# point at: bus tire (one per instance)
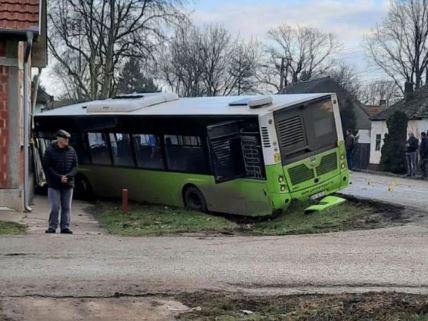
(194, 199)
(82, 188)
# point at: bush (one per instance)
(347, 115)
(393, 157)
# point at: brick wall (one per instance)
(4, 122)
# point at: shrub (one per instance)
(393, 157)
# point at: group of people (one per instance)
(412, 148)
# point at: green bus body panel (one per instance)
(239, 196)
(329, 182)
(243, 196)
(325, 203)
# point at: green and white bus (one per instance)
(245, 155)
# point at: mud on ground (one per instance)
(344, 307)
(209, 306)
(384, 214)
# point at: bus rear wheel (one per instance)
(194, 199)
(82, 189)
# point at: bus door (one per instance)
(235, 151)
(38, 148)
(224, 141)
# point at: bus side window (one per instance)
(185, 154)
(148, 151)
(121, 149)
(98, 147)
(78, 141)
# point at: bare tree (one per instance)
(207, 61)
(243, 68)
(346, 77)
(399, 45)
(380, 90)
(296, 53)
(215, 51)
(180, 63)
(89, 39)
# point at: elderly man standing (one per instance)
(412, 145)
(60, 165)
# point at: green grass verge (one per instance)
(161, 220)
(10, 228)
(158, 220)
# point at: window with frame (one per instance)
(79, 143)
(148, 151)
(98, 146)
(185, 154)
(121, 149)
(378, 141)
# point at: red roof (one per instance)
(373, 110)
(19, 15)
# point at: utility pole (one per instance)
(281, 74)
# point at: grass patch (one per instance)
(343, 307)
(163, 220)
(158, 220)
(11, 228)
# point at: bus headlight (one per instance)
(280, 179)
(343, 166)
(282, 188)
(342, 157)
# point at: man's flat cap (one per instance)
(62, 133)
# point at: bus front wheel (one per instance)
(194, 199)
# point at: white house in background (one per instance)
(415, 106)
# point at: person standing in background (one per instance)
(60, 165)
(411, 150)
(349, 145)
(423, 152)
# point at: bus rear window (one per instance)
(306, 130)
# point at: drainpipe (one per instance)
(27, 207)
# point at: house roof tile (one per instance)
(415, 107)
(19, 15)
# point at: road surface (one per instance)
(91, 263)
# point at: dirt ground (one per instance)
(90, 309)
(207, 306)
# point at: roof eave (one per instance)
(19, 34)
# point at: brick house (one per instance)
(22, 46)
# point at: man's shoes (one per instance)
(66, 231)
(50, 231)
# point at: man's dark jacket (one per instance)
(412, 145)
(59, 162)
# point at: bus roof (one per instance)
(203, 106)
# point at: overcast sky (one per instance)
(350, 20)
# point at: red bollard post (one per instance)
(125, 200)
